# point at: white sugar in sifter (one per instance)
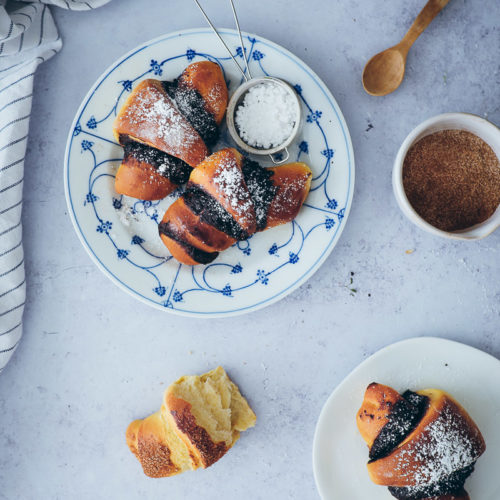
(238, 99)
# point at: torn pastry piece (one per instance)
(208, 413)
(199, 421)
(423, 444)
(158, 448)
(229, 198)
(166, 129)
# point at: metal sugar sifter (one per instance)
(239, 95)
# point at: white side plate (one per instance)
(469, 375)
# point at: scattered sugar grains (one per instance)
(267, 115)
(446, 449)
(158, 117)
(230, 184)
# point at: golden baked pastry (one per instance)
(228, 198)
(199, 421)
(157, 447)
(138, 174)
(166, 129)
(423, 445)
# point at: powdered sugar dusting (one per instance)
(138, 220)
(156, 116)
(446, 446)
(215, 93)
(261, 188)
(191, 104)
(162, 168)
(230, 184)
(214, 97)
(289, 197)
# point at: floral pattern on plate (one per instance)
(120, 233)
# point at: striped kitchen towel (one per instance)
(28, 36)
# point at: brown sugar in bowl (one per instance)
(446, 176)
(452, 179)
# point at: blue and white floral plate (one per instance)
(120, 233)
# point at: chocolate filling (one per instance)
(451, 485)
(261, 188)
(195, 253)
(212, 212)
(166, 165)
(192, 105)
(415, 399)
(401, 421)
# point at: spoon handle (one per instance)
(427, 14)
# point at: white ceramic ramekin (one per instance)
(484, 129)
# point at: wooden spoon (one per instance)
(384, 72)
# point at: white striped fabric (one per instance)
(28, 36)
